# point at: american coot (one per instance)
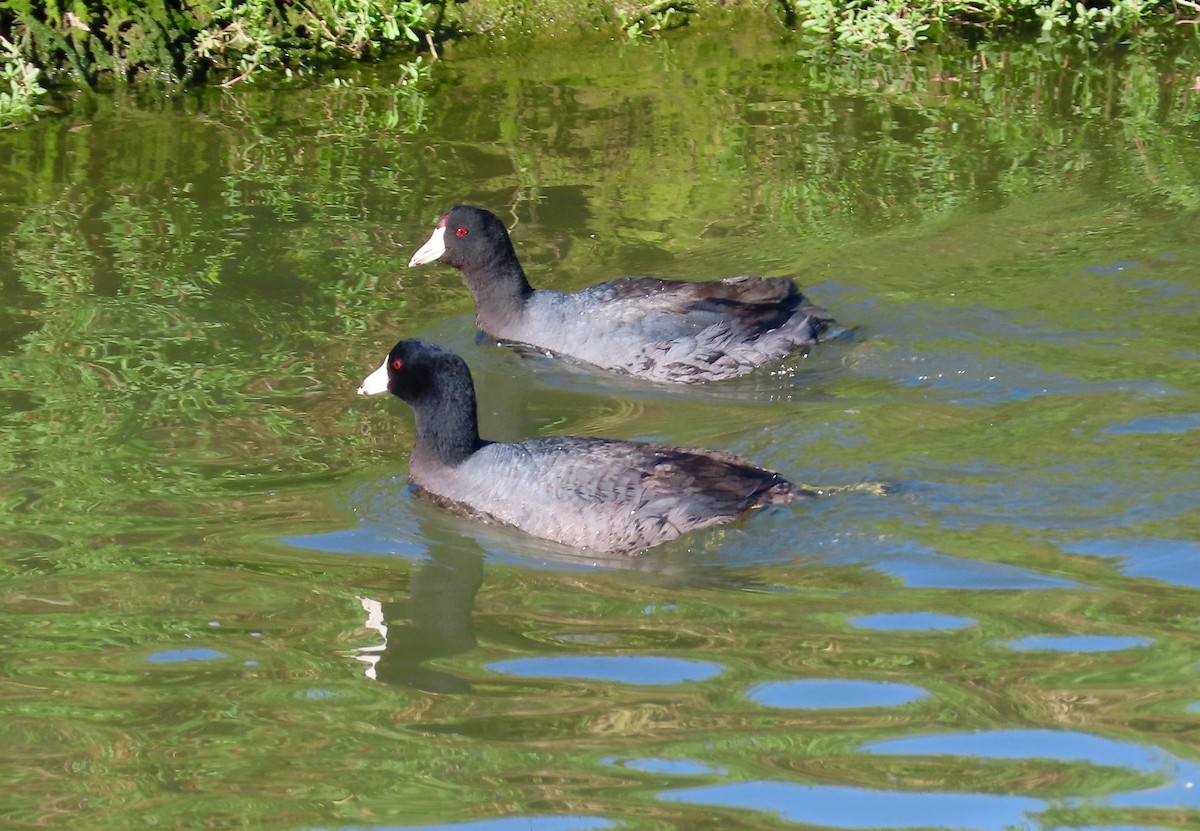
(661, 330)
(599, 494)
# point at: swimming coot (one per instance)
(599, 494)
(661, 330)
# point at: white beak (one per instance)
(432, 250)
(375, 383)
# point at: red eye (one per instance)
(460, 232)
(396, 364)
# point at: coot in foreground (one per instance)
(617, 497)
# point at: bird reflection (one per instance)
(437, 617)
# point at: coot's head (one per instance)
(415, 369)
(465, 237)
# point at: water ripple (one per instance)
(626, 669)
(176, 656)
(1172, 561)
(834, 693)
(1180, 423)
(1065, 746)
(920, 566)
(848, 807)
(912, 622)
(1077, 643)
(669, 767)
(563, 823)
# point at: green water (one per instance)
(220, 607)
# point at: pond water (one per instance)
(222, 608)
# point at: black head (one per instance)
(416, 369)
(437, 385)
(466, 238)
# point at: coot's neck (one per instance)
(447, 427)
(500, 291)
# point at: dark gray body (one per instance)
(608, 496)
(616, 497)
(661, 330)
(667, 331)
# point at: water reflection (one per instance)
(1112, 268)
(919, 566)
(1080, 498)
(848, 807)
(1172, 561)
(530, 823)
(175, 656)
(1060, 745)
(1110, 828)
(1158, 424)
(1077, 643)
(1180, 778)
(624, 669)
(191, 288)
(437, 615)
(912, 622)
(441, 595)
(967, 379)
(834, 694)
(667, 767)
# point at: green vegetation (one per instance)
(193, 284)
(892, 24)
(192, 209)
(859, 146)
(19, 101)
(93, 43)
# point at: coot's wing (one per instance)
(749, 304)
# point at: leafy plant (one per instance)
(242, 38)
(247, 36)
(95, 43)
(899, 24)
(653, 18)
(19, 102)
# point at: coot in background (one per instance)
(661, 330)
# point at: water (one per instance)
(222, 608)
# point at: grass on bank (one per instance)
(96, 43)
